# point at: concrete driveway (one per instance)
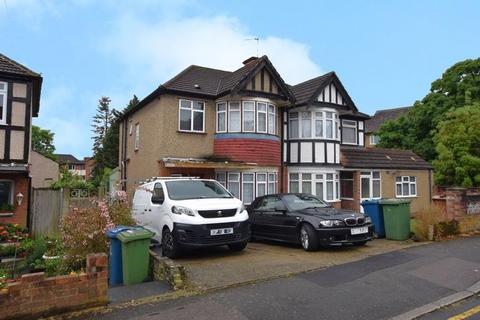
(219, 267)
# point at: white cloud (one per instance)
(155, 51)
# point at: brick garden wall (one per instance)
(462, 205)
(34, 295)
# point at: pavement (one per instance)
(378, 287)
(215, 268)
(121, 294)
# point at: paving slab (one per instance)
(120, 294)
(219, 267)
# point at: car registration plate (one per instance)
(359, 230)
(218, 232)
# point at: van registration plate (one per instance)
(359, 230)
(218, 232)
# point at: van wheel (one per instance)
(308, 238)
(169, 248)
(237, 246)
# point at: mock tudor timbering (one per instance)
(256, 134)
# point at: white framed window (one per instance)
(233, 183)
(234, 117)
(272, 119)
(261, 117)
(329, 125)
(191, 116)
(248, 116)
(222, 178)
(374, 139)
(326, 186)
(137, 137)
(6, 192)
(306, 124)
(221, 117)
(130, 128)
(248, 187)
(3, 102)
(337, 126)
(293, 125)
(272, 183)
(349, 132)
(261, 184)
(405, 186)
(318, 124)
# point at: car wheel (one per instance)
(237, 246)
(360, 243)
(169, 248)
(308, 238)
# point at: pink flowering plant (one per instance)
(84, 230)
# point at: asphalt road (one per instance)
(467, 309)
(378, 287)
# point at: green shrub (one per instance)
(447, 228)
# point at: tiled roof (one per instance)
(7, 65)
(304, 91)
(381, 116)
(378, 158)
(67, 158)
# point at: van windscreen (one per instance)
(195, 189)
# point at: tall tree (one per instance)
(42, 142)
(458, 147)
(459, 86)
(101, 123)
(131, 104)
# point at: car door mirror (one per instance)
(158, 199)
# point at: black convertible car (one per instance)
(308, 220)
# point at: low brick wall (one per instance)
(34, 295)
(165, 269)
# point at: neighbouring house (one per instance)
(89, 165)
(43, 170)
(255, 134)
(72, 164)
(373, 124)
(20, 90)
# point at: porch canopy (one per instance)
(378, 158)
(197, 163)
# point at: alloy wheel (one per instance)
(304, 238)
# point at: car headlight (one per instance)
(332, 223)
(368, 219)
(183, 210)
(242, 208)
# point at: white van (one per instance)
(189, 213)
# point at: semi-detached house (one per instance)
(256, 134)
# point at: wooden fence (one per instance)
(49, 206)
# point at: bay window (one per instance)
(329, 125)
(234, 117)
(233, 184)
(323, 185)
(221, 117)
(349, 131)
(248, 187)
(294, 125)
(307, 183)
(319, 186)
(306, 125)
(248, 116)
(406, 186)
(261, 117)
(272, 181)
(294, 183)
(272, 119)
(261, 184)
(191, 116)
(318, 124)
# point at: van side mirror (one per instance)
(157, 199)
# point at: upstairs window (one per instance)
(234, 117)
(349, 131)
(248, 116)
(406, 186)
(313, 125)
(3, 102)
(137, 137)
(191, 116)
(318, 124)
(293, 125)
(222, 117)
(261, 117)
(272, 118)
(374, 139)
(329, 125)
(306, 125)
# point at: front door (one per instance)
(369, 186)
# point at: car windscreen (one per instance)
(196, 189)
(298, 202)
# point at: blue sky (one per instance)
(386, 53)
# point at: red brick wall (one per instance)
(355, 203)
(36, 296)
(261, 151)
(21, 185)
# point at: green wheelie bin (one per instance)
(396, 215)
(135, 256)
